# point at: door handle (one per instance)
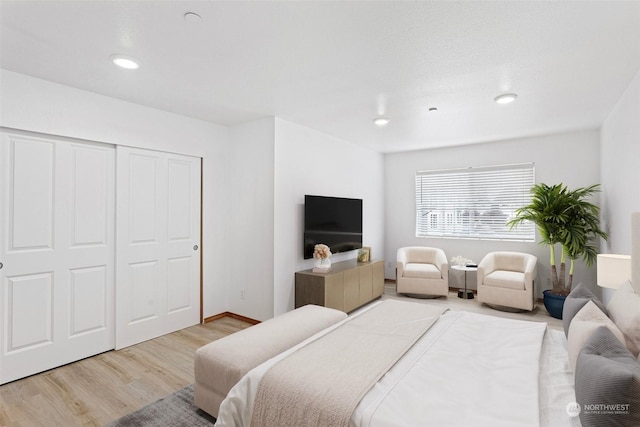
(195, 247)
(1, 265)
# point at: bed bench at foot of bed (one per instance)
(221, 364)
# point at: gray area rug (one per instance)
(175, 410)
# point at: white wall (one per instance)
(570, 158)
(620, 172)
(620, 169)
(41, 106)
(251, 219)
(310, 162)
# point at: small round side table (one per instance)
(466, 294)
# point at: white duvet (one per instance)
(467, 370)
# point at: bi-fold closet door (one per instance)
(62, 248)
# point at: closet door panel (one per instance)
(87, 222)
(180, 208)
(57, 249)
(144, 291)
(90, 308)
(178, 273)
(144, 174)
(183, 252)
(158, 253)
(29, 311)
(31, 191)
(90, 192)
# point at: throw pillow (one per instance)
(624, 310)
(578, 297)
(607, 382)
(584, 324)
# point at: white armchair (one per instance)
(507, 279)
(422, 270)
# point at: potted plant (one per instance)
(563, 217)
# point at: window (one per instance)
(474, 203)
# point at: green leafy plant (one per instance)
(564, 217)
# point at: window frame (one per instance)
(474, 203)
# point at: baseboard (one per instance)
(232, 315)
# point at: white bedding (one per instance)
(322, 383)
(468, 369)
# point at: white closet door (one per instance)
(158, 238)
(57, 250)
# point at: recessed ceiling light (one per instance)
(505, 98)
(381, 121)
(125, 62)
(192, 17)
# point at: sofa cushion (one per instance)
(607, 382)
(624, 310)
(505, 279)
(422, 271)
(578, 297)
(584, 324)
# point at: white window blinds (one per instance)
(474, 203)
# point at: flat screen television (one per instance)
(334, 221)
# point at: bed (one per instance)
(482, 370)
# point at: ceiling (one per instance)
(335, 66)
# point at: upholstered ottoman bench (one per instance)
(220, 365)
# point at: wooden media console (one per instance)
(349, 285)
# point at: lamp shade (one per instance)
(613, 270)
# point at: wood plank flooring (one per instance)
(100, 389)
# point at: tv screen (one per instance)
(333, 221)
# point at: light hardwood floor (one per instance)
(100, 389)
